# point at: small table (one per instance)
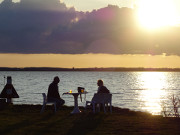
(76, 107)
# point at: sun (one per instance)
(154, 14)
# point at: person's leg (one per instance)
(59, 102)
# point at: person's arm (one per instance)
(98, 91)
(57, 93)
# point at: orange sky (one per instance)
(88, 60)
(152, 38)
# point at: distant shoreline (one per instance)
(115, 69)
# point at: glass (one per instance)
(82, 90)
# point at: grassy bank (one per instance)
(26, 119)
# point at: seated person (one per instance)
(53, 93)
(102, 88)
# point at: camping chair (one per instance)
(47, 102)
(101, 99)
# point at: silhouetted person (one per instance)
(102, 88)
(53, 93)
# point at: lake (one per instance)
(139, 91)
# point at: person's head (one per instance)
(56, 79)
(100, 83)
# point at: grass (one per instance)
(27, 120)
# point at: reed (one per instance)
(172, 109)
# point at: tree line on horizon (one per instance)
(87, 69)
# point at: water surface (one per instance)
(140, 91)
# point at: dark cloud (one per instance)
(48, 26)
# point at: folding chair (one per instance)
(45, 102)
(101, 99)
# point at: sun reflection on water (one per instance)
(153, 84)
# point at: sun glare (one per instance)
(154, 84)
(154, 14)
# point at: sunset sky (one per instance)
(90, 33)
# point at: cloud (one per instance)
(48, 26)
